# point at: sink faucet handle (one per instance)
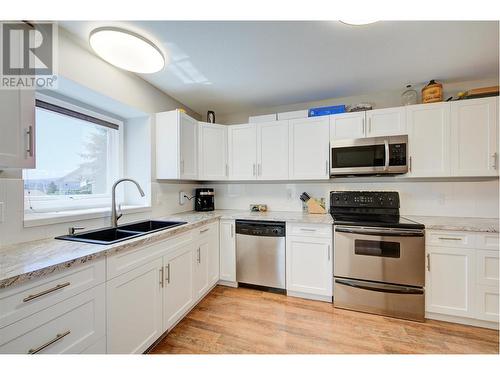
(72, 230)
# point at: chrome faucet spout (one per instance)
(114, 217)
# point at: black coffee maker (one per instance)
(204, 199)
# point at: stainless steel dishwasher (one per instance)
(260, 254)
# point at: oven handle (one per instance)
(387, 232)
(376, 287)
(386, 147)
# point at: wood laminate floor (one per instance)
(242, 320)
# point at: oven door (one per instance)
(385, 255)
(369, 156)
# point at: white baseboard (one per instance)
(461, 320)
(232, 284)
(309, 296)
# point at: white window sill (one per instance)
(47, 218)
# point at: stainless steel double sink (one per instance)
(107, 236)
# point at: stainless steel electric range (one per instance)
(379, 261)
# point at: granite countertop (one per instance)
(463, 224)
(24, 261)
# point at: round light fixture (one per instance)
(126, 50)
(358, 22)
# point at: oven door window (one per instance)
(377, 248)
(358, 156)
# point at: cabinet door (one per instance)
(17, 129)
(487, 297)
(309, 266)
(347, 126)
(429, 139)
(213, 256)
(450, 281)
(188, 147)
(242, 151)
(134, 309)
(387, 121)
(200, 279)
(213, 151)
(178, 281)
(309, 149)
(272, 150)
(227, 251)
(474, 137)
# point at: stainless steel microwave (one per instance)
(380, 155)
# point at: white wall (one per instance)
(429, 198)
(106, 85)
(379, 99)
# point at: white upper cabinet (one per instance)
(429, 139)
(17, 129)
(272, 150)
(176, 146)
(213, 152)
(347, 125)
(242, 151)
(386, 122)
(309, 148)
(474, 137)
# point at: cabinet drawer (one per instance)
(487, 264)
(128, 260)
(19, 302)
(309, 230)
(70, 326)
(449, 239)
(487, 241)
(206, 230)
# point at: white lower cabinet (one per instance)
(178, 296)
(462, 278)
(309, 265)
(227, 252)
(134, 308)
(71, 327)
(450, 281)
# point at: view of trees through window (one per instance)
(72, 157)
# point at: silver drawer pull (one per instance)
(57, 287)
(308, 230)
(54, 340)
(204, 230)
(449, 239)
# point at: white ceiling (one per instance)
(238, 66)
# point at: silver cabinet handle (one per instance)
(204, 230)
(449, 239)
(363, 122)
(58, 337)
(29, 149)
(57, 287)
(167, 278)
(253, 169)
(409, 165)
(328, 252)
(428, 262)
(232, 230)
(161, 277)
(227, 169)
(369, 125)
(308, 230)
(199, 256)
(494, 158)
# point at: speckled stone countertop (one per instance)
(463, 224)
(24, 261)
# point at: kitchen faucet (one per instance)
(114, 217)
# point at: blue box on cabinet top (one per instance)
(325, 111)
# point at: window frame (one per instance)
(77, 202)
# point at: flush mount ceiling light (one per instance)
(126, 50)
(358, 22)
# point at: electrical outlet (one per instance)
(182, 197)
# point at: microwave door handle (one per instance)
(386, 147)
(381, 232)
(378, 287)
